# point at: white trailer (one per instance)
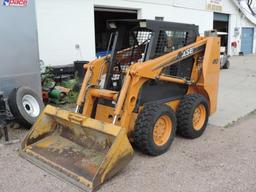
(19, 60)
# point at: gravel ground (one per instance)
(223, 159)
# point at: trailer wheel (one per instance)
(26, 105)
(155, 129)
(192, 116)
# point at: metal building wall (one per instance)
(19, 55)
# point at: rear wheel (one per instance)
(192, 116)
(227, 65)
(155, 129)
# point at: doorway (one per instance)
(247, 40)
(221, 24)
(102, 35)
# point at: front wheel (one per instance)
(155, 129)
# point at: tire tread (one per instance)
(185, 127)
(142, 129)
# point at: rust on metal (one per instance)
(86, 150)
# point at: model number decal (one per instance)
(215, 61)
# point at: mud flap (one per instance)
(81, 150)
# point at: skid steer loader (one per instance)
(160, 78)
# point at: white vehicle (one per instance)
(20, 82)
(224, 57)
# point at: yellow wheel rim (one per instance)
(162, 130)
(199, 117)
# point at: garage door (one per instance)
(247, 40)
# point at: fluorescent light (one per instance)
(112, 25)
(143, 24)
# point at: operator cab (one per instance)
(134, 41)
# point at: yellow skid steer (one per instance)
(160, 79)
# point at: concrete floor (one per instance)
(237, 91)
(223, 159)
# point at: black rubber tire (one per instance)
(144, 127)
(17, 108)
(185, 113)
(227, 65)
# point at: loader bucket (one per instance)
(81, 150)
